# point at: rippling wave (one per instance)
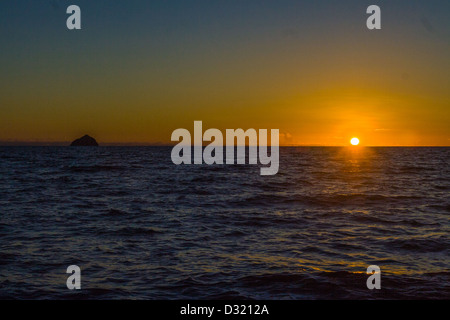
(141, 227)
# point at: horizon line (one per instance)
(144, 144)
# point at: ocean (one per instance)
(140, 227)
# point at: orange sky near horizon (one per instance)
(319, 81)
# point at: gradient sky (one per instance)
(140, 69)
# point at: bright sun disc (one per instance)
(354, 141)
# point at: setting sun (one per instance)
(354, 141)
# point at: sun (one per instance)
(354, 141)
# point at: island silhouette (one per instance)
(85, 141)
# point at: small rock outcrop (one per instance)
(85, 141)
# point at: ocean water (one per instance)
(140, 227)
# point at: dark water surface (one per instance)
(140, 227)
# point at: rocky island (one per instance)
(85, 141)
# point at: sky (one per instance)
(138, 70)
